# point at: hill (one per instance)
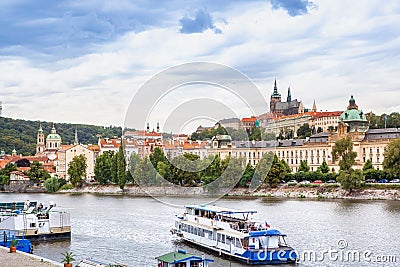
(21, 134)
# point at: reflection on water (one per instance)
(135, 230)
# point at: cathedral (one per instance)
(52, 144)
(290, 107)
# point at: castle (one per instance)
(290, 107)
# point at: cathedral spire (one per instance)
(275, 94)
(76, 141)
(289, 95)
(314, 107)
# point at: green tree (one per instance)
(286, 166)
(247, 175)
(5, 173)
(368, 165)
(304, 131)
(276, 173)
(134, 161)
(350, 179)
(77, 170)
(324, 168)
(145, 173)
(303, 166)
(255, 134)
(102, 168)
(114, 168)
(37, 172)
(52, 185)
(121, 168)
(157, 156)
(183, 170)
(343, 150)
(391, 162)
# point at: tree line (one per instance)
(22, 134)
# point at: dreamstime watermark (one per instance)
(341, 253)
(192, 93)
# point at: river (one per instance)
(134, 230)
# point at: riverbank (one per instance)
(285, 191)
(21, 259)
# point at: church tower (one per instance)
(53, 141)
(40, 142)
(275, 97)
(289, 95)
(314, 107)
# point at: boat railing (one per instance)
(10, 234)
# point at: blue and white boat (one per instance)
(233, 233)
(7, 236)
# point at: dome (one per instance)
(352, 115)
(53, 136)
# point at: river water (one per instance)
(134, 230)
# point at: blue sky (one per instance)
(83, 61)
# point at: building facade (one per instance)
(66, 155)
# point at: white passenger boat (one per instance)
(234, 233)
(35, 221)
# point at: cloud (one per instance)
(293, 7)
(202, 22)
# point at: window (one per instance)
(377, 159)
(377, 150)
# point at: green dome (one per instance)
(352, 115)
(53, 136)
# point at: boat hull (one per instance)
(279, 256)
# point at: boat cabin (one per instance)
(265, 240)
(182, 259)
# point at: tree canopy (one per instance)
(391, 162)
(343, 150)
(77, 170)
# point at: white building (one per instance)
(67, 153)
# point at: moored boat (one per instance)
(182, 259)
(7, 236)
(234, 233)
(35, 221)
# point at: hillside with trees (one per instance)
(21, 134)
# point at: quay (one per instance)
(22, 259)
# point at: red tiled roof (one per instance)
(251, 119)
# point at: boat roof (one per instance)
(220, 210)
(180, 256)
(271, 232)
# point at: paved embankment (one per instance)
(21, 259)
(307, 191)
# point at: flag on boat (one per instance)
(267, 225)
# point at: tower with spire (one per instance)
(314, 107)
(76, 140)
(40, 145)
(275, 98)
(279, 108)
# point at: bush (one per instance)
(52, 185)
(67, 187)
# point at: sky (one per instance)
(84, 61)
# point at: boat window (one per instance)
(238, 244)
(223, 238)
(228, 240)
(210, 235)
(219, 238)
